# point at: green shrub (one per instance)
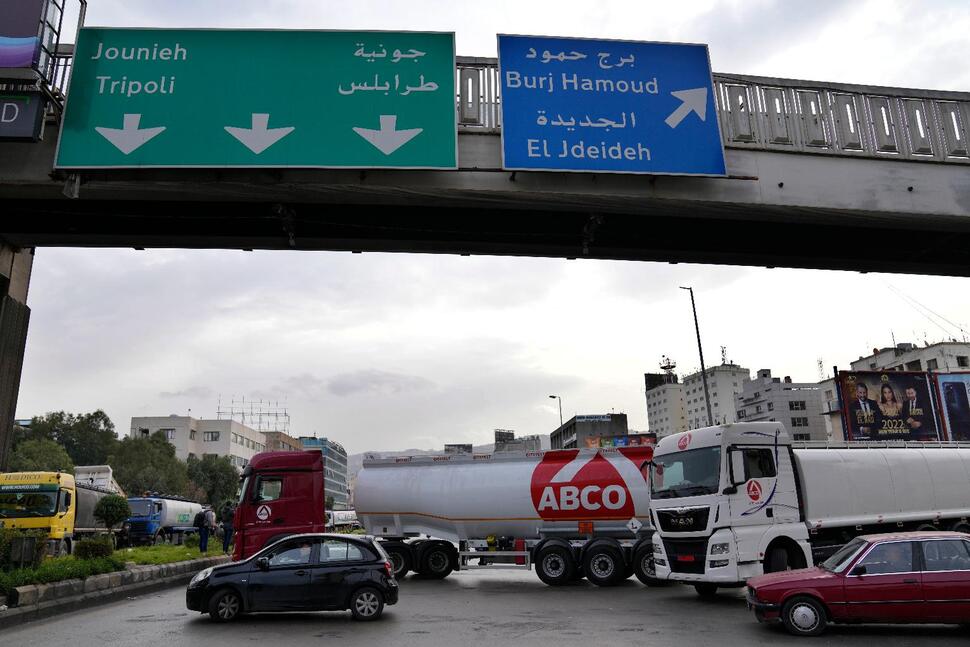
(112, 510)
(6, 539)
(192, 540)
(55, 570)
(91, 548)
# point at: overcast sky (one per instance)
(382, 351)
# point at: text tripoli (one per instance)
(582, 150)
(576, 83)
(131, 87)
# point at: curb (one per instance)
(45, 600)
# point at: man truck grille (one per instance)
(683, 519)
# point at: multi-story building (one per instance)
(277, 441)
(575, 431)
(334, 469)
(196, 438)
(522, 444)
(938, 357)
(797, 405)
(724, 383)
(666, 407)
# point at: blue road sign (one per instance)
(571, 104)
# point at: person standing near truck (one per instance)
(227, 513)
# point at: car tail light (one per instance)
(388, 569)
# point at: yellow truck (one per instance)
(52, 502)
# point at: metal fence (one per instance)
(792, 116)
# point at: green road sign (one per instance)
(218, 98)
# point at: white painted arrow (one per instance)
(388, 139)
(259, 137)
(129, 137)
(693, 101)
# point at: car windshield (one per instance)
(28, 504)
(243, 486)
(689, 473)
(837, 562)
(140, 508)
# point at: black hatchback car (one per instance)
(311, 572)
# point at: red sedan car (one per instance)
(894, 578)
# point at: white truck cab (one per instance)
(725, 505)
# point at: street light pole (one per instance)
(700, 351)
(556, 397)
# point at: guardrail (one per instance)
(791, 116)
(762, 113)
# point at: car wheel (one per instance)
(776, 560)
(604, 565)
(555, 565)
(63, 550)
(367, 604)
(436, 563)
(159, 539)
(706, 591)
(803, 616)
(225, 605)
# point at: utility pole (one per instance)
(700, 351)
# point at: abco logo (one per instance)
(567, 485)
(754, 490)
(683, 442)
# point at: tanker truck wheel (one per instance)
(604, 565)
(555, 565)
(644, 569)
(436, 563)
(400, 556)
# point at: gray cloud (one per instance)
(190, 392)
(374, 381)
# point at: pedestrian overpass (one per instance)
(820, 175)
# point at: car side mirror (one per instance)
(858, 570)
(730, 490)
(262, 564)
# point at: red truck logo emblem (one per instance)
(263, 512)
(683, 442)
(754, 490)
(567, 485)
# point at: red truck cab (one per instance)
(281, 493)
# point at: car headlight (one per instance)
(719, 563)
(659, 562)
(201, 576)
(720, 549)
(656, 549)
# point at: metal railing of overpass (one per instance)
(763, 113)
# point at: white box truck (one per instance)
(573, 512)
(734, 501)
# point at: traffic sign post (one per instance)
(573, 104)
(228, 98)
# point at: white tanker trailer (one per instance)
(573, 512)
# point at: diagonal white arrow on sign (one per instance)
(259, 137)
(388, 139)
(693, 101)
(129, 137)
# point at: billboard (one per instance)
(20, 32)
(631, 440)
(888, 405)
(953, 391)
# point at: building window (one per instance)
(796, 405)
(144, 432)
(802, 437)
(799, 422)
(169, 433)
(757, 409)
(771, 406)
(191, 434)
(932, 364)
(210, 436)
(915, 365)
(963, 361)
(191, 455)
(829, 394)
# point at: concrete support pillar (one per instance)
(15, 267)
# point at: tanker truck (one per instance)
(572, 513)
(734, 501)
(155, 519)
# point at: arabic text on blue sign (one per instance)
(608, 106)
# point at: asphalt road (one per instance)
(475, 607)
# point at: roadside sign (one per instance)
(227, 98)
(610, 106)
(21, 115)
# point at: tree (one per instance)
(148, 465)
(216, 476)
(89, 438)
(40, 455)
(112, 510)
